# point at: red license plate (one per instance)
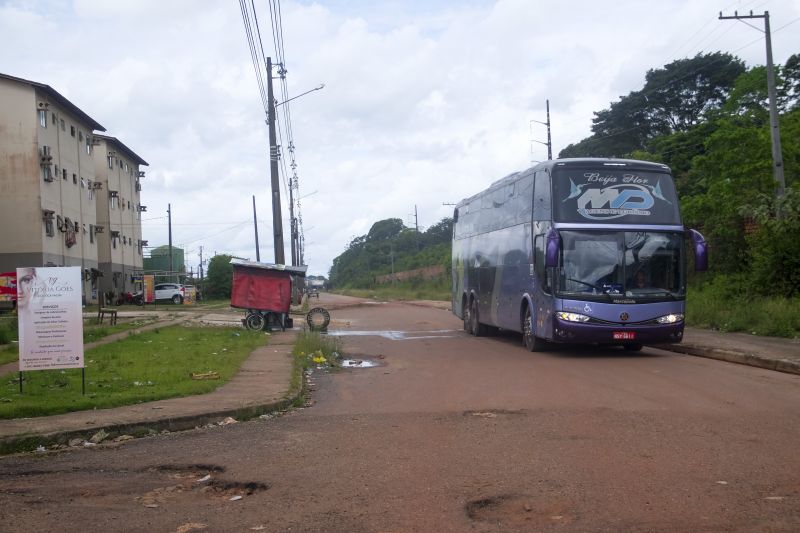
(624, 335)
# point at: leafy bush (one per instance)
(775, 246)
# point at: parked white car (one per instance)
(170, 291)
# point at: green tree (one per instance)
(220, 276)
(675, 98)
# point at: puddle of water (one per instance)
(395, 335)
(358, 363)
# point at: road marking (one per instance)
(395, 335)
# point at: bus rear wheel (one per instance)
(636, 347)
(477, 329)
(531, 341)
(467, 316)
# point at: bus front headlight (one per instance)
(571, 317)
(670, 319)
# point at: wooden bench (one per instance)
(102, 311)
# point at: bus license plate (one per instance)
(624, 335)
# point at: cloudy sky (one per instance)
(425, 101)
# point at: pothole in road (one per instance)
(514, 510)
(199, 479)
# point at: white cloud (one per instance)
(425, 103)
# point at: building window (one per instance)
(110, 161)
(91, 233)
(64, 173)
(83, 183)
(55, 120)
(47, 174)
(63, 126)
(80, 136)
(113, 198)
(72, 130)
(88, 145)
(74, 178)
(77, 226)
(43, 118)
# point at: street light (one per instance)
(321, 86)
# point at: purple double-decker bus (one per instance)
(575, 251)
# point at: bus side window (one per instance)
(541, 196)
(539, 243)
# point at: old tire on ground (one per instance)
(318, 319)
(255, 321)
(531, 341)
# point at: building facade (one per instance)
(119, 214)
(53, 199)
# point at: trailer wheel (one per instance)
(255, 321)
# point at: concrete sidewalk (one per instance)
(782, 355)
(261, 386)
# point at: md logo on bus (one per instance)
(615, 201)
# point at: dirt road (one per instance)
(453, 433)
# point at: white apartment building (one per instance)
(55, 204)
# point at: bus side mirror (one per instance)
(700, 251)
(552, 249)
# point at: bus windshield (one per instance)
(630, 265)
(616, 196)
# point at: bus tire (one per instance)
(478, 329)
(465, 312)
(531, 341)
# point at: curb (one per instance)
(788, 366)
(28, 442)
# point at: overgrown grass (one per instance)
(311, 345)
(92, 331)
(415, 289)
(723, 305)
(151, 366)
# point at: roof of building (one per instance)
(59, 99)
(119, 144)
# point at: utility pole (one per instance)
(255, 225)
(201, 266)
(169, 225)
(774, 126)
(292, 222)
(277, 221)
(416, 224)
(549, 142)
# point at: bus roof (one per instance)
(573, 162)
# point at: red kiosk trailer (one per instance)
(8, 290)
(266, 291)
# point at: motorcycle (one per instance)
(131, 298)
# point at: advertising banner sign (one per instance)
(190, 296)
(50, 318)
(149, 288)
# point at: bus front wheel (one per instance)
(532, 342)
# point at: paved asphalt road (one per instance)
(453, 433)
